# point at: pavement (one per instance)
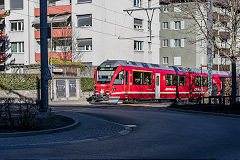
(85, 129)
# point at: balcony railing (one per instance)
(54, 10)
(65, 32)
(221, 67)
(60, 55)
(224, 18)
(223, 52)
(224, 35)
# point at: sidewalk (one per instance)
(90, 129)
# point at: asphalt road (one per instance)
(157, 133)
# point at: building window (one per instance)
(17, 47)
(202, 43)
(16, 4)
(137, 3)
(165, 8)
(165, 43)
(138, 23)
(85, 44)
(138, 45)
(165, 60)
(177, 42)
(2, 5)
(149, 47)
(84, 1)
(177, 25)
(84, 20)
(17, 25)
(177, 61)
(165, 25)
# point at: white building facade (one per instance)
(104, 31)
(100, 30)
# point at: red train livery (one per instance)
(126, 81)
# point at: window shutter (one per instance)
(177, 61)
(202, 60)
(182, 42)
(177, 9)
(16, 4)
(172, 25)
(172, 43)
(182, 25)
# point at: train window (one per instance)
(181, 80)
(205, 81)
(142, 78)
(147, 78)
(137, 78)
(119, 79)
(126, 77)
(197, 81)
(171, 80)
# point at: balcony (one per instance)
(224, 35)
(221, 67)
(54, 10)
(59, 55)
(224, 19)
(65, 32)
(224, 51)
(2, 58)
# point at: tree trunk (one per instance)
(234, 82)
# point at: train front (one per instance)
(103, 77)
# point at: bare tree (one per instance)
(226, 26)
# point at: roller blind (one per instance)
(16, 4)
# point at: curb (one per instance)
(206, 113)
(31, 133)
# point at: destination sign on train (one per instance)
(103, 69)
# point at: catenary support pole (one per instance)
(45, 74)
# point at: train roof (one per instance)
(115, 63)
(196, 70)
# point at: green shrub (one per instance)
(19, 81)
(87, 84)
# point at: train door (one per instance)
(157, 85)
(126, 84)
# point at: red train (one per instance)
(127, 81)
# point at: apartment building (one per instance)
(103, 31)
(18, 33)
(183, 42)
(90, 31)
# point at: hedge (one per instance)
(32, 82)
(19, 81)
(87, 84)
